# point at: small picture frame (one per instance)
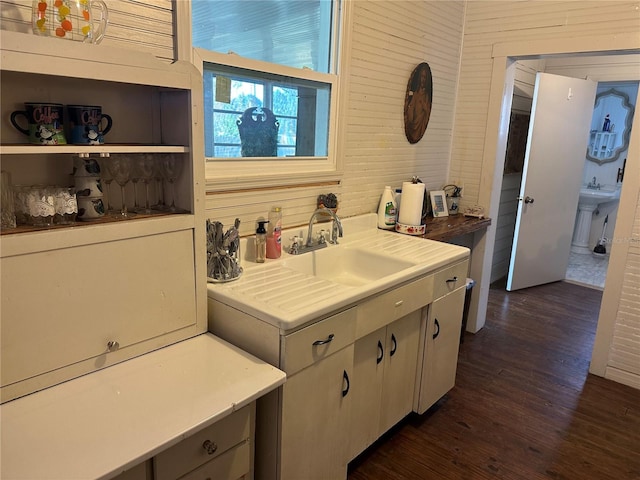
(439, 203)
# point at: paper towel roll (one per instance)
(411, 205)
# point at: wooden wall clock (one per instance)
(417, 102)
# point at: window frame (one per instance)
(226, 174)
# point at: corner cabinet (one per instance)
(82, 297)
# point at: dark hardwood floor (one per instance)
(524, 405)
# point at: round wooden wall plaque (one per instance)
(417, 102)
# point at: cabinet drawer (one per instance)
(387, 307)
(317, 341)
(444, 282)
(231, 465)
(191, 453)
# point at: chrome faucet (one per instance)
(593, 185)
(336, 229)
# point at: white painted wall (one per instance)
(495, 32)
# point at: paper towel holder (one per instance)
(439, 203)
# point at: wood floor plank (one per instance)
(524, 406)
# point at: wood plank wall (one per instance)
(388, 39)
(138, 25)
(488, 23)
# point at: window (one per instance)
(301, 108)
(291, 33)
(268, 70)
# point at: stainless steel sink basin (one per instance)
(347, 266)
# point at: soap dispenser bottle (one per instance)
(261, 241)
(387, 210)
(274, 233)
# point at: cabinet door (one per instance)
(401, 362)
(366, 388)
(315, 420)
(441, 348)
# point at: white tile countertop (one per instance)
(98, 425)
(289, 299)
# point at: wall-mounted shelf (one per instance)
(601, 144)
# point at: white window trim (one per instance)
(234, 174)
(231, 173)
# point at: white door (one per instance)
(554, 161)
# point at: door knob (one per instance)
(527, 199)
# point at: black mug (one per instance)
(45, 123)
(85, 124)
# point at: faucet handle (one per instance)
(294, 248)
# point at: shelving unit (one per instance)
(137, 285)
(601, 144)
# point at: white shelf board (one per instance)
(27, 149)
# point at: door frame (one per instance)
(504, 57)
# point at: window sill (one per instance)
(216, 183)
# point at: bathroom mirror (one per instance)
(610, 127)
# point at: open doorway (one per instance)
(585, 266)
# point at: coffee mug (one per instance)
(85, 124)
(45, 125)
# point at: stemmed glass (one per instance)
(171, 169)
(145, 167)
(158, 176)
(106, 177)
(119, 167)
(134, 178)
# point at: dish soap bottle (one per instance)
(274, 233)
(387, 210)
(261, 241)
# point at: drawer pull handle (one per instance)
(452, 280)
(435, 335)
(324, 342)
(112, 345)
(381, 353)
(210, 447)
(345, 379)
(395, 345)
(399, 303)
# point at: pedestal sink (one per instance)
(588, 202)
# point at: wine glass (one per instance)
(107, 178)
(158, 176)
(119, 167)
(145, 167)
(134, 178)
(171, 169)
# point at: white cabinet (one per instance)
(316, 399)
(78, 298)
(315, 419)
(222, 450)
(384, 371)
(442, 341)
(350, 376)
(602, 144)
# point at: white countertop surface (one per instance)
(98, 425)
(289, 299)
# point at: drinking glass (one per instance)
(107, 178)
(171, 169)
(158, 176)
(134, 178)
(120, 169)
(145, 167)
